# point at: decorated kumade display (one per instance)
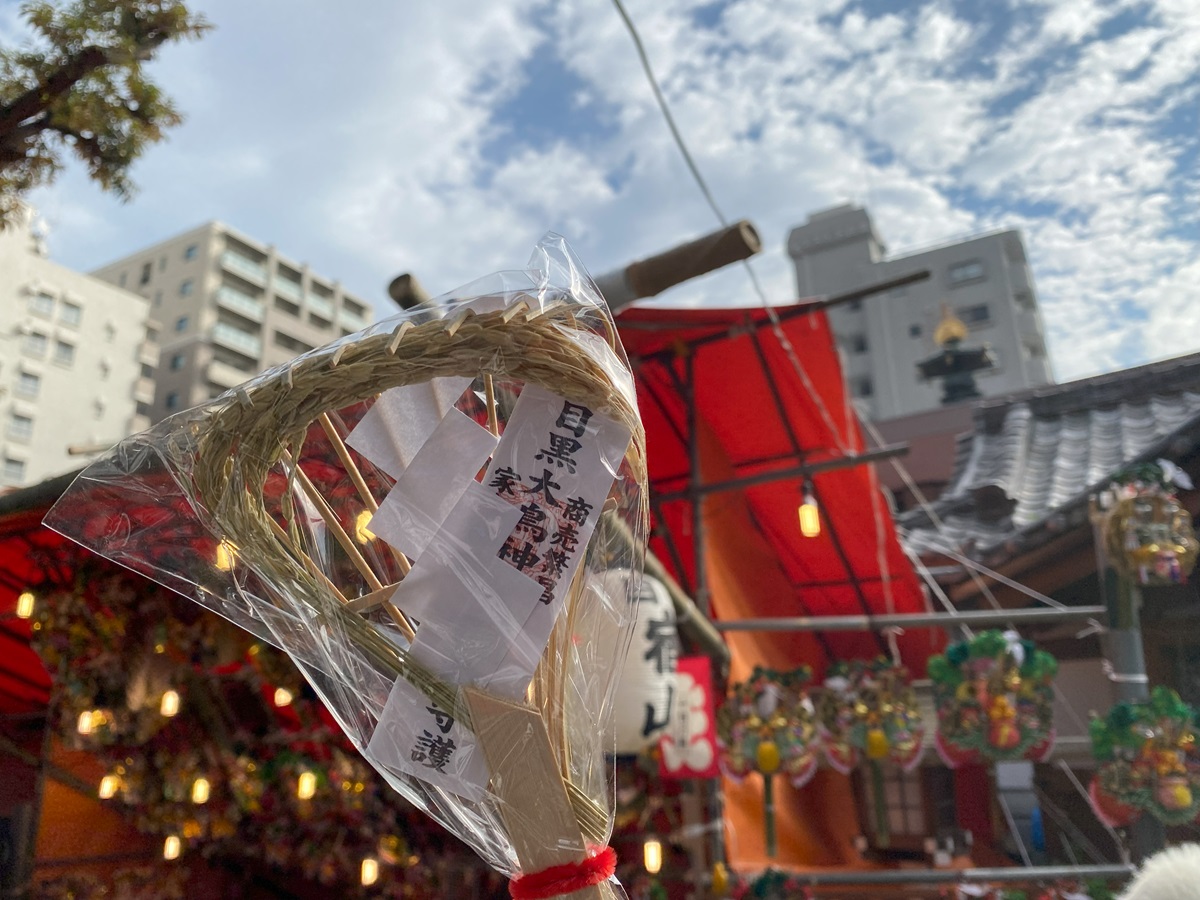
(868, 712)
(1148, 535)
(994, 698)
(768, 725)
(1149, 761)
(423, 516)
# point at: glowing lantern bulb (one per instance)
(171, 847)
(170, 704)
(370, 871)
(200, 789)
(108, 787)
(362, 533)
(25, 605)
(283, 697)
(652, 856)
(225, 556)
(306, 785)
(810, 516)
(86, 721)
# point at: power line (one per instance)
(666, 111)
(772, 315)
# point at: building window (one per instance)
(857, 343)
(147, 371)
(177, 362)
(121, 281)
(98, 407)
(1024, 299)
(975, 315)
(41, 304)
(70, 314)
(185, 289)
(914, 331)
(145, 276)
(854, 305)
(64, 353)
(172, 400)
(14, 469)
(28, 384)
(162, 263)
(181, 323)
(35, 344)
(286, 306)
(862, 387)
(964, 272)
(191, 251)
(158, 298)
(20, 428)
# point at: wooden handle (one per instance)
(525, 779)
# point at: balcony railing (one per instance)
(320, 306)
(143, 390)
(289, 289)
(247, 268)
(226, 376)
(242, 304)
(236, 339)
(351, 320)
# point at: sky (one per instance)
(444, 139)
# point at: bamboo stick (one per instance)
(347, 542)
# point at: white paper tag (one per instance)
(471, 606)
(394, 429)
(435, 479)
(555, 463)
(417, 738)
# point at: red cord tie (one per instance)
(559, 880)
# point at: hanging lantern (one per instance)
(1149, 760)
(646, 690)
(169, 705)
(25, 604)
(1148, 535)
(768, 725)
(809, 513)
(868, 712)
(994, 697)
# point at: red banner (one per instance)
(689, 745)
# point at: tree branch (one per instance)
(67, 75)
(61, 80)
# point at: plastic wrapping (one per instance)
(472, 469)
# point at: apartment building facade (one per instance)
(77, 358)
(230, 307)
(984, 280)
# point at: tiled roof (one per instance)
(1032, 457)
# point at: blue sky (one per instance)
(444, 139)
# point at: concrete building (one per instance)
(77, 358)
(985, 280)
(230, 307)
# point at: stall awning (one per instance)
(761, 410)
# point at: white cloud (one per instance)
(374, 143)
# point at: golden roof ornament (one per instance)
(951, 328)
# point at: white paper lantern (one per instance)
(646, 689)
